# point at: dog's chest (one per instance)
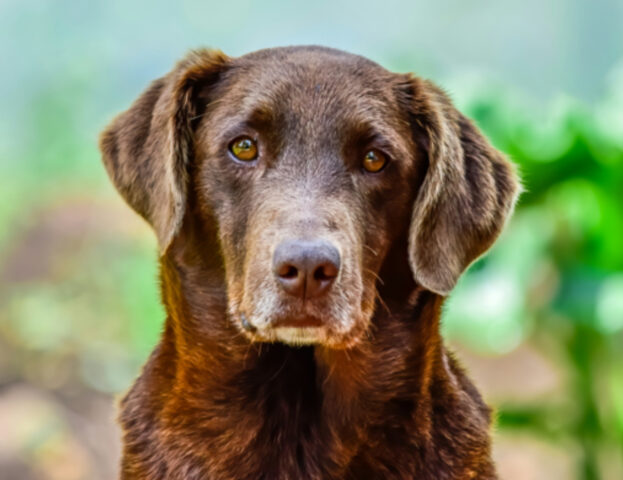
(277, 420)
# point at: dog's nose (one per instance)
(306, 268)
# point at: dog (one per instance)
(313, 210)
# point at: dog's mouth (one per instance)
(302, 322)
(299, 330)
(298, 322)
(299, 336)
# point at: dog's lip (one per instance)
(302, 321)
(301, 329)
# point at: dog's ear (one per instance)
(147, 149)
(468, 191)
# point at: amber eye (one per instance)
(374, 161)
(244, 148)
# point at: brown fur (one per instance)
(370, 394)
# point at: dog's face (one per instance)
(305, 165)
(310, 163)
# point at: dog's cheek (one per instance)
(260, 296)
(221, 193)
(347, 299)
(376, 238)
(376, 243)
(224, 229)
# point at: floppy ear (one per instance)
(467, 194)
(148, 148)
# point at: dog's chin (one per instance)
(318, 336)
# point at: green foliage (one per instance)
(556, 275)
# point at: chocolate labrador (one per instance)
(313, 210)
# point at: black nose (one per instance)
(306, 268)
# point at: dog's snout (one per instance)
(306, 268)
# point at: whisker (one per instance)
(198, 116)
(375, 275)
(382, 302)
(329, 375)
(374, 252)
(279, 370)
(246, 355)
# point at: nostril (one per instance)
(288, 271)
(325, 272)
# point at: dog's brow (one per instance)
(375, 134)
(260, 117)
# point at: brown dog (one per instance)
(313, 211)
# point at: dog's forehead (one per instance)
(315, 86)
(303, 74)
(307, 63)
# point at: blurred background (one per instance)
(538, 322)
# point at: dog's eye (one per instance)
(374, 161)
(244, 148)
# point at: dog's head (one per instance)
(310, 164)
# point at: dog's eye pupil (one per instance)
(244, 148)
(374, 161)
